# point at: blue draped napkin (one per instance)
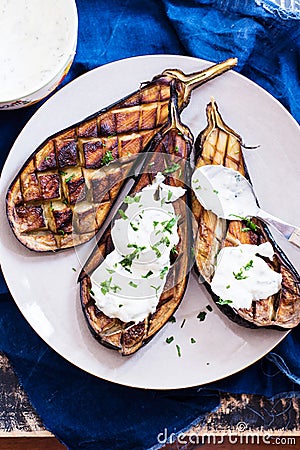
(89, 413)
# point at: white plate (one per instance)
(44, 286)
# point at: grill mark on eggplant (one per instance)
(132, 121)
(281, 310)
(134, 336)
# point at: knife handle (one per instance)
(290, 232)
(295, 237)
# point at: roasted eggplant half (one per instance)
(219, 144)
(55, 193)
(167, 153)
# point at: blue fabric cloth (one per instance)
(89, 413)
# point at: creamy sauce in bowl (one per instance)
(37, 37)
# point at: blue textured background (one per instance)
(88, 413)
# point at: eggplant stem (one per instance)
(196, 79)
(218, 121)
(193, 80)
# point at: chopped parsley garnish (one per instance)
(91, 292)
(169, 224)
(61, 232)
(163, 272)
(110, 271)
(51, 207)
(172, 319)
(196, 181)
(172, 168)
(215, 191)
(248, 222)
(174, 250)
(182, 323)
(163, 201)
(47, 158)
(126, 262)
(148, 274)
(245, 229)
(249, 265)
(193, 341)
(239, 275)
(65, 201)
(73, 268)
(139, 249)
(156, 289)
(224, 302)
(176, 149)
(61, 172)
(122, 214)
(169, 195)
(178, 350)
(209, 308)
(169, 340)
(134, 227)
(228, 286)
(163, 240)
(70, 178)
(107, 158)
(155, 223)
(201, 316)
(120, 306)
(151, 164)
(156, 250)
(129, 200)
(106, 287)
(132, 284)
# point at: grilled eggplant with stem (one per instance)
(55, 201)
(219, 144)
(168, 153)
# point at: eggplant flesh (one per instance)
(170, 147)
(219, 144)
(60, 198)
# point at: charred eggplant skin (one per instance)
(219, 144)
(118, 131)
(173, 142)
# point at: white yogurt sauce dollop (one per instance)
(224, 191)
(36, 36)
(241, 275)
(127, 285)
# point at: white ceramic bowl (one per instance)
(41, 39)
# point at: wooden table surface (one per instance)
(240, 420)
